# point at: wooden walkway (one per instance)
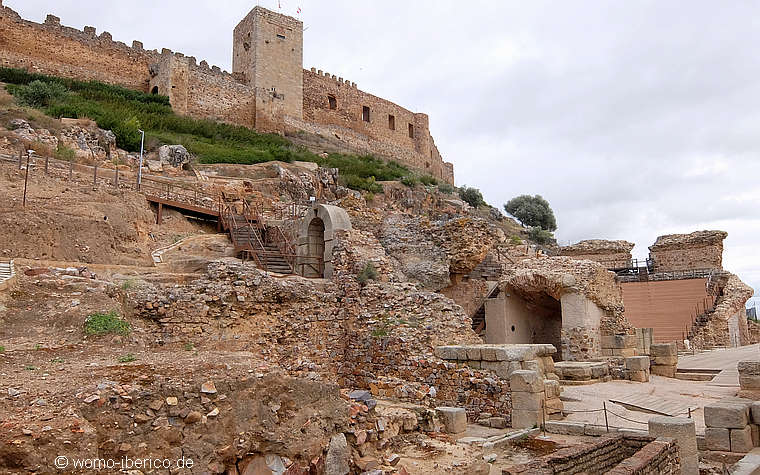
(654, 405)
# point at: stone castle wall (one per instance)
(611, 254)
(268, 90)
(333, 101)
(50, 48)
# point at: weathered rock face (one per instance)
(698, 250)
(428, 252)
(89, 142)
(414, 250)
(611, 254)
(24, 130)
(726, 325)
(315, 182)
(174, 155)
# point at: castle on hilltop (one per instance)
(268, 88)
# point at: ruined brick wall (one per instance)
(616, 455)
(50, 48)
(698, 250)
(332, 101)
(611, 254)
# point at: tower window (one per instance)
(280, 36)
(332, 102)
(365, 113)
(411, 131)
(391, 122)
(154, 90)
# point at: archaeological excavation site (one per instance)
(270, 272)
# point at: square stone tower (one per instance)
(267, 54)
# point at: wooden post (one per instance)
(159, 215)
(95, 175)
(47, 163)
(71, 170)
(606, 423)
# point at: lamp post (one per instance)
(139, 170)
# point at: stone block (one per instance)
(665, 360)
(526, 381)
(755, 434)
(446, 352)
(741, 440)
(566, 428)
(525, 419)
(573, 372)
(454, 419)
(552, 388)
(749, 381)
(554, 405)
(726, 415)
(488, 353)
(533, 365)
(683, 430)
(638, 376)
(599, 370)
(607, 341)
(625, 352)
(597, 431)
(474, 364)
(473, 353)
(755, 412)
(666, 371)
(637, 363)
(527, 401)
(750, 367)
(548, 363)
(497, 422)
(717, 439)
(501, 368)
(663, 349)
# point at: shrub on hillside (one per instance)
(446, 188)
(41, 94)
(471, 196)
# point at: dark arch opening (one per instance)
(315, 266)
(154, 90)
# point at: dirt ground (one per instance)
(76, 221)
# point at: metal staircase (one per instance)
(252, 238)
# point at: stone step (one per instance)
(694, 376)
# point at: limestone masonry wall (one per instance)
(269, 90)
(611, 254)
(698, 250)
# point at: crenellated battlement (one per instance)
(339, 80)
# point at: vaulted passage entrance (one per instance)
(516, 316)
(316, 249)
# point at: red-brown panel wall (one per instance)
(666, 306)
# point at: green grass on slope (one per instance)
(125, 111)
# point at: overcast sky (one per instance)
(634, 119)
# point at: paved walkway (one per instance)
(724, 360)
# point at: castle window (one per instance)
(427, 164)
(332, 102)
(365, 113)
(411, 131)
(391, 122)
(154, 90)
(280, 36)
